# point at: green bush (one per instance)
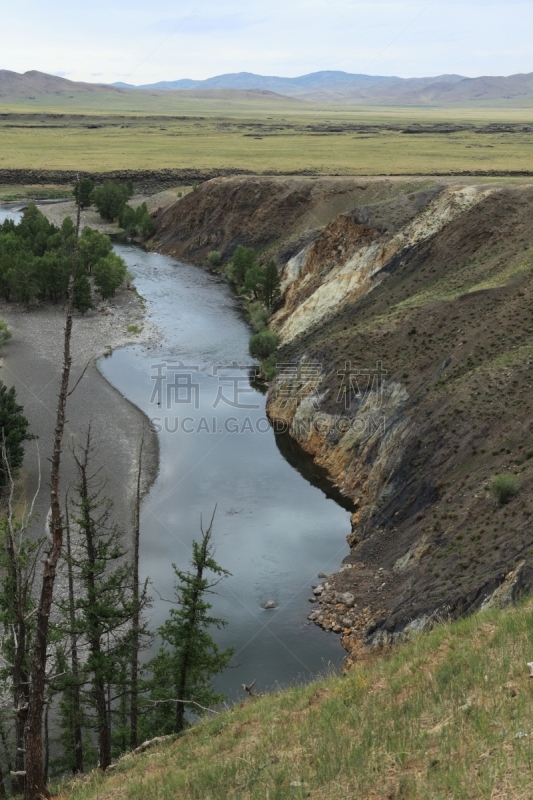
(269, 368)
(258, 316)
(504, 486)
(263, 344)
(136, 221)
(214, 258)
(5, 333)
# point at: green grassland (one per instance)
(447, 715)
(107, 131)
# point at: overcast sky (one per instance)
(141, 42)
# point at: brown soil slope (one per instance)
(413, 314)
(267, 213)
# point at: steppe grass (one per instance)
(15, 193)
(259, 137)
(447, 715)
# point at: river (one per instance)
(274, 530)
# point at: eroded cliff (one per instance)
(405, 371)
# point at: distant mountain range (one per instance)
(317, 87)
(343, 87)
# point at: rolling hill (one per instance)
(328, 87)
(345, 88)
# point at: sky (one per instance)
(138, 42)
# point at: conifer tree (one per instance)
(83, 301)
(189, 656)
(243, 260)
(271, 284)
(104, 605)
(13, 433)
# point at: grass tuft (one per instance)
(504, 486)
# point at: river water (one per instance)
(274, 528)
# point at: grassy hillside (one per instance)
(141, 131)
(448, 715)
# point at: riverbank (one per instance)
(56, 212)
(31, 361)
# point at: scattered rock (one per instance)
(347, 598)
(320, 574)
(270, 604)
(318, 590)
(312, 599)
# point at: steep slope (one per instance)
(406, 373)
(422, 342)
(269, 214)
(446, 716)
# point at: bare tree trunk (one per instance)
(2, 783)
(35, 788)
(19, 584)
(135, 625)
(46, 744)
(5, 745)
(93, 624)
(74, 662)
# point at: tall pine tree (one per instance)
(189, 656)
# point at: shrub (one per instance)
(504, 486)
(263, 344)
(269, 368)
(258, 316)
(214, 258)
(5, 333)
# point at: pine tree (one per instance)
(13, 431)
(271, 284)
(83, 192)
(243, 260)
(83, 300)
(254, 280)
(104, 605)
(189, 657)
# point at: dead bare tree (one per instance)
(35, 784)
(20, 559)
(74, 661)
(135, 623)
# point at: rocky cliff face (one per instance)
(409, 350)
(406, 372)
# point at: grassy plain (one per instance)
(448, 715)
(110, 131)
